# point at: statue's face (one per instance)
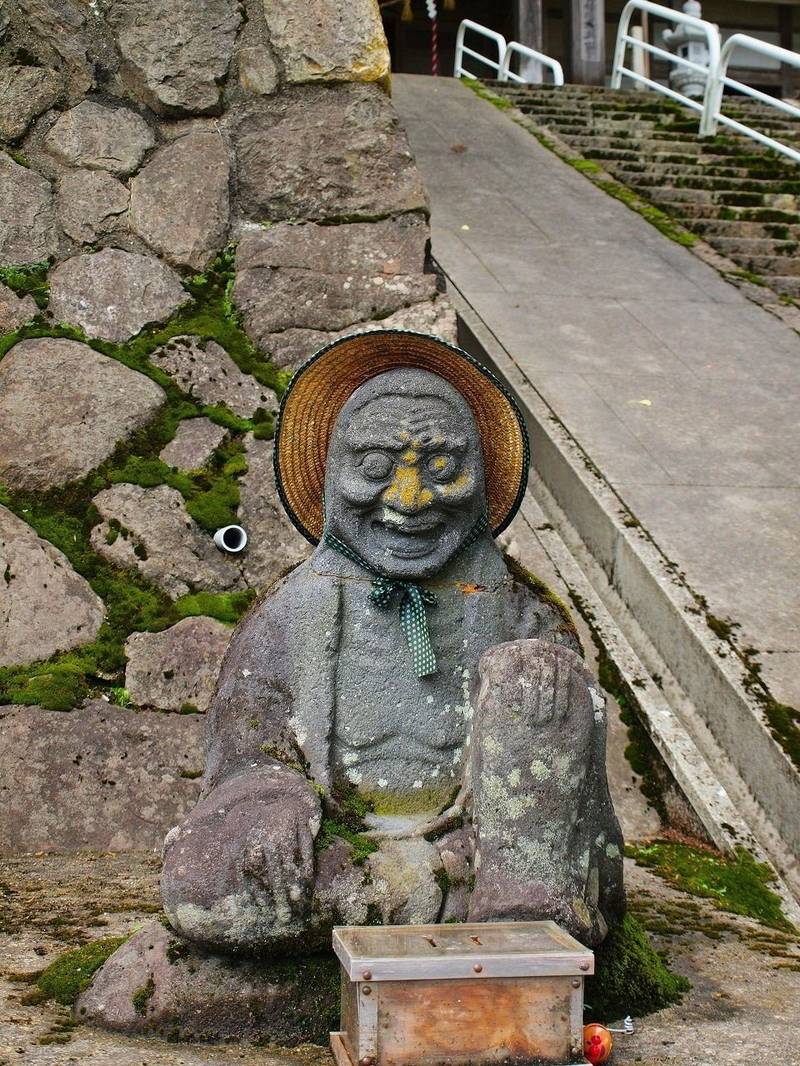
(404, 479)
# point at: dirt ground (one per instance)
(744, 1006)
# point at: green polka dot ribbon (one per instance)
(413, 618)
(414, 599)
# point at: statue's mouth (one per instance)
(409, 538)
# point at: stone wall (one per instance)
(194, 196)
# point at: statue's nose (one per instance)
(407, 494)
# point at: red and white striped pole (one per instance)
(432, 15)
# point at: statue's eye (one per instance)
(442, 466)
(377, 465)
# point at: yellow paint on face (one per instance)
(406, 488)
(459, 484)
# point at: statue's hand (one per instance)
(238, 873)
(278, 853)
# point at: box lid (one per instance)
(475, 950)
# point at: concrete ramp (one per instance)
(663, 410)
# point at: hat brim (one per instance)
(324, 383)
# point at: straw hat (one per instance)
(323, 384)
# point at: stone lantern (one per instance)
(688, 42)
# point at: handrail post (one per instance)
(619, 48)
(505, 73)
(483, 31)
(457, 68)
(712, 98)
(713, 83)
(714, 115)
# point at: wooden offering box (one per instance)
(460, 995)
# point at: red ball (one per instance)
(597, 1043)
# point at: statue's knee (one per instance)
(199, 874)
(534, 681)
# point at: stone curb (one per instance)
(665, 608)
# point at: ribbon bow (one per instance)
(414, 599)
(413, 618)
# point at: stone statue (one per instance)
(403, 728)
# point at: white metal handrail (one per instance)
(515, 48)
(624, 38)
(721, 81)
(498, 39)
(715, 73)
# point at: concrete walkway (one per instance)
(681, 391)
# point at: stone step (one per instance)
(781, 201)
(772, 266)
(703, 168)
(786, 286)
(746, 214)
(628, 155)
(600, 96)
(738, 228)
(624, 144)
(609, 117)
(735, 186)
(755, 246)
(601, 125)
(661, 144)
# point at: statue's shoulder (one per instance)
(526, 583)
(292, 588)
(285, 616)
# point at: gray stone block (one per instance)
(101, 778)
(45, 607)
(320, 152)
(63, 409)
(113, 294)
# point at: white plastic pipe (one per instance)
(231, 539)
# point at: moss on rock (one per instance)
(68, 975)
(66, 516)
(142, 996)
(224, 606)
(543, 591)
(330, 830)
(630, 976)
(28, 281)
(311, 1017)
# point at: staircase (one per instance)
(742, 199)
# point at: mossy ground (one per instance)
(66, 516)
(67, 976)
(630, 976)
(738, 885)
